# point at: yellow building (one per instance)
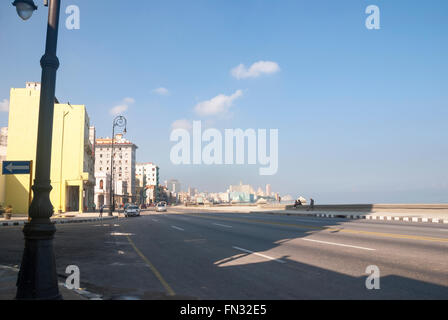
(72, 160)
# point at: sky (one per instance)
(361, 114)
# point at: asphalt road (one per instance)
(188, 255)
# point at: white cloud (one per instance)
(122, 107)
(257, 69)
(218, 105)
(181, 124)
(161, 91)
(4, 105)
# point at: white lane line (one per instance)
(259, 254)
(177, 228)
(339, 244)
(222, 225)
(155, 220)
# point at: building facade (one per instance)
(147, 175)
(102, 189)
(124, 160)
(72, 162)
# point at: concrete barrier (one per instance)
(433, 208)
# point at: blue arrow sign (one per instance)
(16, 167)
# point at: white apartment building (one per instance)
(148, 172)
(124, 160)
(147, 175)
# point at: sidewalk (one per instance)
(69, 217)
(414, 216)
(8, 289)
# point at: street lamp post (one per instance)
(37, 277)
(119, 121)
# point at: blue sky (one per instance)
(361, 113)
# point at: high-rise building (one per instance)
(245, 188)
(174, 186)
(72, 162)
(124, 160)
(150, 171)
(268, 190)
(147, 175)
(241, 193)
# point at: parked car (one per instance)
(161, 207)
(132, 211)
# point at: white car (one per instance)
(161, 207)
(132, 211)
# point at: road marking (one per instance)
(153, 269)
(339, 244)
(177, 228)
(155, 220)
(121, 234)
(259, 254)
(222, 225)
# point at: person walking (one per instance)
(101, 210)
(311, 208)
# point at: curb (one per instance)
(84, 293)
(58, 221)
(355, 217)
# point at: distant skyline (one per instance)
(361, 114)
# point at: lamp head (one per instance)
(25, 8)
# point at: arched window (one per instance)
(101, 184)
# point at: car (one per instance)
(161, 207)
(132, 211)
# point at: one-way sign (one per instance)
(16, 167)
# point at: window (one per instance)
(101, 184)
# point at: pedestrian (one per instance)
(311, 205)
(101, 211)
